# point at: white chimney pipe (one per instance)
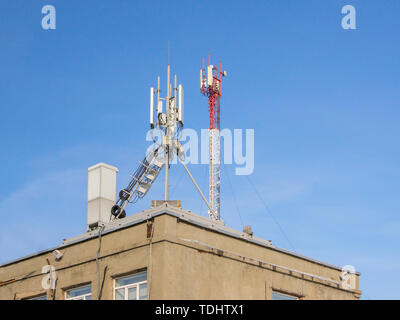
(102, 190)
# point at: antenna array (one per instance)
(166, 114)
(210, 86)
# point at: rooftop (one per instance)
(183, 215)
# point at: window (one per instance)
(79, 293)
(132, 287)
(41, 297)
(282, 296)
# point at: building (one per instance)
(166, 253)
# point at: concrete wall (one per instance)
(186, 262)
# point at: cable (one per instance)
(270, 213)
(151, 259)
(102, 282)
(204, 183)
(97, 263)
(233, 193)
(53, 291)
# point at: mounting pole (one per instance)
(170, 123)
(167, 137)
(196, 185)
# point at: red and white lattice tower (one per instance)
(210, 86)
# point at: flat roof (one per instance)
(187, 216)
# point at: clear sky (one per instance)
(323, 101)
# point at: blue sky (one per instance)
(323, 101)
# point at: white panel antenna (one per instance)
(159, 107)
(181, 104)
(210, 77)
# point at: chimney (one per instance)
(102, 191)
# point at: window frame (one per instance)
(37, 297)
(128, 286)
(84, 296)
(285, 294)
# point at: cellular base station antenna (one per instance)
(210, 86)
(169, 122)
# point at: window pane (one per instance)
(280, 296)
(120, 294)
(79, 291)
(138, 277)
(43, 297)
(143, 291)
(132, 293)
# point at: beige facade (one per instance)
(184, 255)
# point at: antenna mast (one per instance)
(170, 122)
(210, 86)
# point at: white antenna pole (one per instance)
(175, 90)
(159, 103)
(168, 81)
(167, 142)
(180, 108)
(152, 108)
(158, 90)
